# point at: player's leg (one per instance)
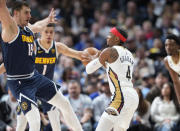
(31, 112)
(48, 92)
(21, 120)
(24, 91)
(117, 128)
(53, 114)
(33, 118)
(54, 119)
(69, 116)
(105, 123)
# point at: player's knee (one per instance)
(58, 99)
(21, 122)
(33, 118)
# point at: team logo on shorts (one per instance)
(18, 109)
(24, 106)
(53, 51)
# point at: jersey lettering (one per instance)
(41, 60)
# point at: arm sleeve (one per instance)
(93, 66)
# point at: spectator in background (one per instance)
(158, 6)
(92, 90)
(164, 109)
(130, 26)
(101, 102)
(140, 37)
(77, 20)
(11, 101)
(121, 18)
(83, 38)
(8, 105)
(68, 40)
(95, 36)
(146, 85)
(150, 13)
(147, 28)
(103, 24)
(143, 64)
(81, 104)
(133, 12)
(5, 111)
(156, 89)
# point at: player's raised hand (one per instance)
(51, 17)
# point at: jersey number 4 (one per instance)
(128, 73)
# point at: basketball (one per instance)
(90, 51)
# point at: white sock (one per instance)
(21, 122)
(54, 119)
(33, 118)
(69, 116)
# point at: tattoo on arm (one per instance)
(113, 55)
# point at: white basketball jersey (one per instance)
(175, 67)
(120, 72)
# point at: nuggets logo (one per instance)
(53, 51)
(40, 51)
(28, 39)
(24, 106)
(18, 109)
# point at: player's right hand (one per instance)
(51, 17)
(85, 58)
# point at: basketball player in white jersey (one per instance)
(119, 63)
(172, 61)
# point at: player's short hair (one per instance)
(174, 37)
(51, 25)
(18, 5)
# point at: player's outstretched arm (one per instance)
(2, 69)
(39, 25)
(175, 79)
(65, 50)
(9, 26)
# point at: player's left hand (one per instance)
(85, 58)
(51, 17)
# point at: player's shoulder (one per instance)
(109, 50)
(166, 59)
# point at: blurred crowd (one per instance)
(86, 23)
